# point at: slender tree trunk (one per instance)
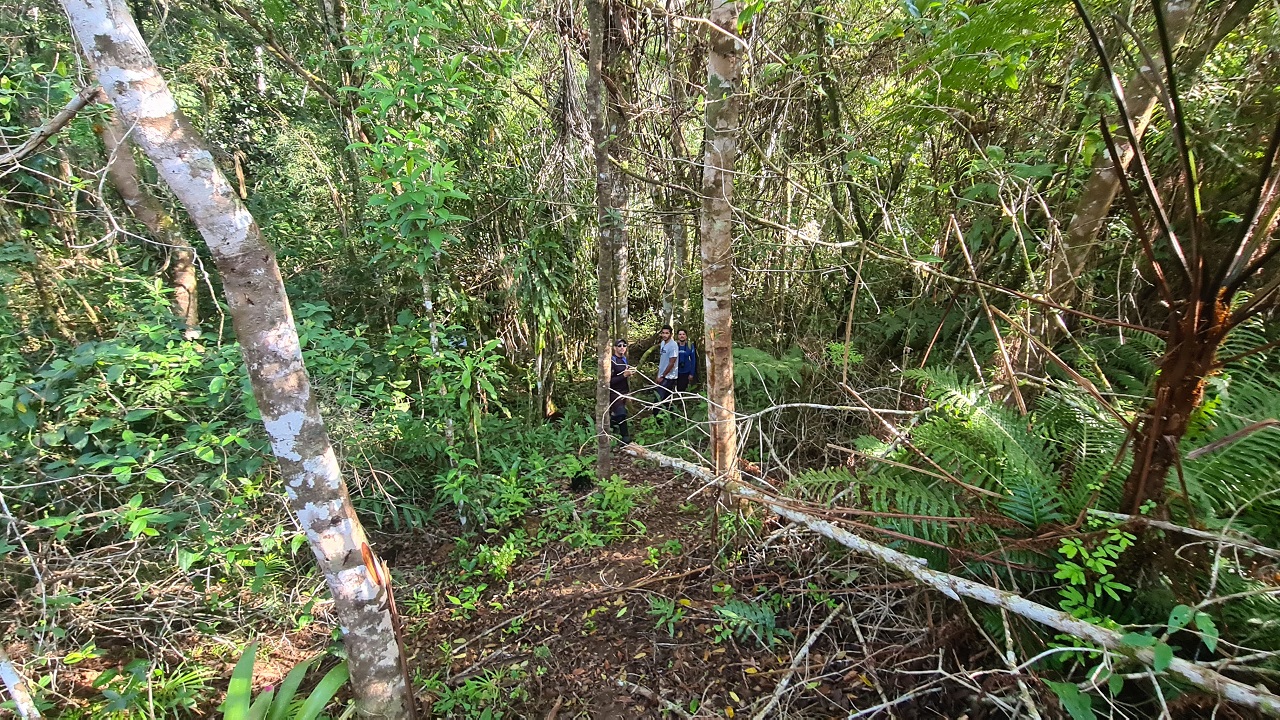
(673, 267)
(615, 76)
(607, 219)
(619, 242)
(676, 202)
(122, 170)
(722, 104)
(682, 268)
(269, 343)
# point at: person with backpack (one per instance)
(687, 365)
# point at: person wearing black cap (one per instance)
(619, 389)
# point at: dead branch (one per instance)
(956, 587)
(1223, 538)
(662, 702)
(51, 128)
(17, 687)
(795, 664)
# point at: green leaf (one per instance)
(258, 710)
(1011, 77)
(1164, 656)
(1138, 640)
(236, 706)
(1208, 631)
(101, 424)
(1179, 617)
(1115, 683)
(1079, 705)
(287, 689)
(186, 558)
(138, 414)
(323, 693)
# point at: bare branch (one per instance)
(49, 129)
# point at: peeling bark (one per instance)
(269, 343)
(722, 103)
(122, 170)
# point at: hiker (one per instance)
(668, 369)
(687, 366)
(619, 388)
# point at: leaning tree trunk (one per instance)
(269, 343)
(122, 170)
(717, 233)
(607, 221)
(1103, 184)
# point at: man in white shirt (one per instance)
(668, 367)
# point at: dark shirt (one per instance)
(688, 364)
(618, 384)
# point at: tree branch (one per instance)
(49, 129)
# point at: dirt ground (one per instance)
(577, 625)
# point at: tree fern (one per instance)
(1241, 474)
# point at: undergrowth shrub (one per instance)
(1051, 469)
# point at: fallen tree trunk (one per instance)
(956, 587)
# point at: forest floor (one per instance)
(672, 622)
(686, 613)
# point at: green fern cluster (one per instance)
(1067, 455)
(755, 368)
(746, 620)
(1243, 475)
(1045, 468)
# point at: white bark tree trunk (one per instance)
(721, 148)
(269, 343)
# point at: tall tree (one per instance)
(615, 76)
(122, 170)
(675, 203)
(722, 107)
(607, 220)
(269, 344)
